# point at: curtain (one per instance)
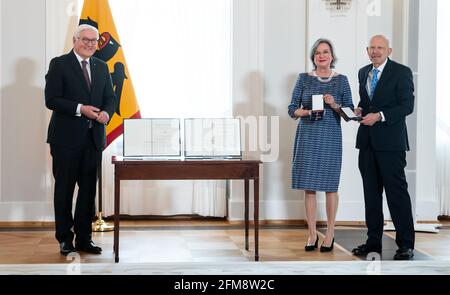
(156, 197)
(179, 57)
(443, 107)
(443, 166)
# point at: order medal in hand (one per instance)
(317, 108)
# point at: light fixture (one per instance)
(338, 5)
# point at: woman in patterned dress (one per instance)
(317, 154)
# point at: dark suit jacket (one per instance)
(65, 88)
(394, 96)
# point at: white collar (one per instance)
(80, 59)
(381, 67)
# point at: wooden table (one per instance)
(126, 169)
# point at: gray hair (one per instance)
(84, 27)
(382, 37)
(316, 45)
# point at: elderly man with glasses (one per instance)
(79, 91)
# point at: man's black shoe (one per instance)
(88, 246)
(363, 250)
(65, 248)
(404, 254)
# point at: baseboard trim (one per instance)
(28, 224)
(192, 223)
(41, 213)
(26, 212)
(444, 218)
(348, 211)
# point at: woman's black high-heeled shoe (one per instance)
(327, 249)
(309, 248)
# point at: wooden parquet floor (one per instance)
(150, 242)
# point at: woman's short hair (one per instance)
(314, 48)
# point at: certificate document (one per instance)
(198, 137)
(212, 138)
(151, 137)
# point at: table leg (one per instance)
(256, 216)
(246, 207)
(116, 217)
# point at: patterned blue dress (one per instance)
(317, 159)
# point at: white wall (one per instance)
(1, 83)
(286, 31)
(427, 203)
(247, 81)
(268, 39)
(271, 40)
(24, 154)
(284, 58)
(348, 31)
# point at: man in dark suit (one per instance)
(79, 92)
(386, 93)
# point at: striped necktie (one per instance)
(373, 83)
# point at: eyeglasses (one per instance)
(87, 41)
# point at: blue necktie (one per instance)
(373, 83)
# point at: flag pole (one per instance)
(100, 225)
(97, 13)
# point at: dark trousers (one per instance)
(385, 169)
(70, 167)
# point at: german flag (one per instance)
(98, 14)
